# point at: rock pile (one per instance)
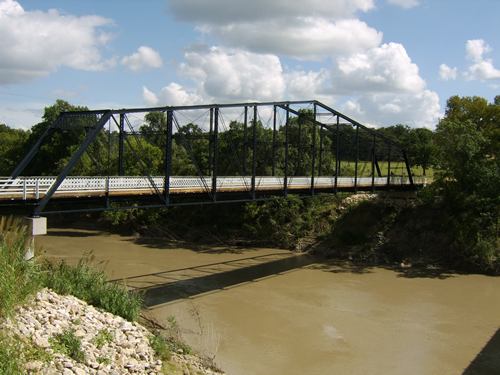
(107, 344)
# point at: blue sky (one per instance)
(379, 61)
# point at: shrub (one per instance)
(102, 338)
(90, 285)
(68, 344)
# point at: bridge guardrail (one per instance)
(35, 187)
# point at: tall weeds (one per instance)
(18, 278)
(90, 285)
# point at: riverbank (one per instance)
(387, 229)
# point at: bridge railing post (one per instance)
(337, 154)
(313, 149)
(285, 179)
(168, 156)
(121, 144)
(320, 156)
(245, 140)
(356, 161)
(210, 142)
(273, 171)
(254, 150)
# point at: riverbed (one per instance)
(267, 311)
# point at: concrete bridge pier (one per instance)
(37, 226)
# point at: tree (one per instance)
(11, 148)
(421, 148)
(468, 179)
(61, 144)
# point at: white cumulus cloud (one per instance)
(233, 74)
(36, 43)
(145, 57)
(304, 38)
(447, 73)
(482, 68)
(384, 87)
(309, 29)
(381, 86)
(476, 48)
(387, 68)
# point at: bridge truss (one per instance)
(210, 153)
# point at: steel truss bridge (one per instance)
(289, 147)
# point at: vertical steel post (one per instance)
(285, 180)
(254, 150)
(299, 148)
(121, 144)
(389, 166)
(245, 141)
(356, 162)
(215, 154)
(320, 161)
(168, 156)
(373, 163)
(108, 164)
(313, 161)
(210, 142)
(273, 172)
(337, 154)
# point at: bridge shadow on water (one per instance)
(169, 286)
(487, 360)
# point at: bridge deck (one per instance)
(34, 188)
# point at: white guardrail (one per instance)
(25, 188)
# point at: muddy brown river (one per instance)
(266, 311)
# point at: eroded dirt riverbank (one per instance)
(301, 317)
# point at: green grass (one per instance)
(14, 351)
(68, 344)
(160, 346)
(19, 278)
(90, 285)
(10, 353)
(102, 338)
(397, 168)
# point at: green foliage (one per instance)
(169, 341)
(103, 360)
(68, 344)
(160, 346)
(10, 355)
(284, 222)
(11, 148)
(90, 285)
(102, 338)
(18, 277)
(469, 178)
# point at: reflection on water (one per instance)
(274, 313)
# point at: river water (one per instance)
(266, 311)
